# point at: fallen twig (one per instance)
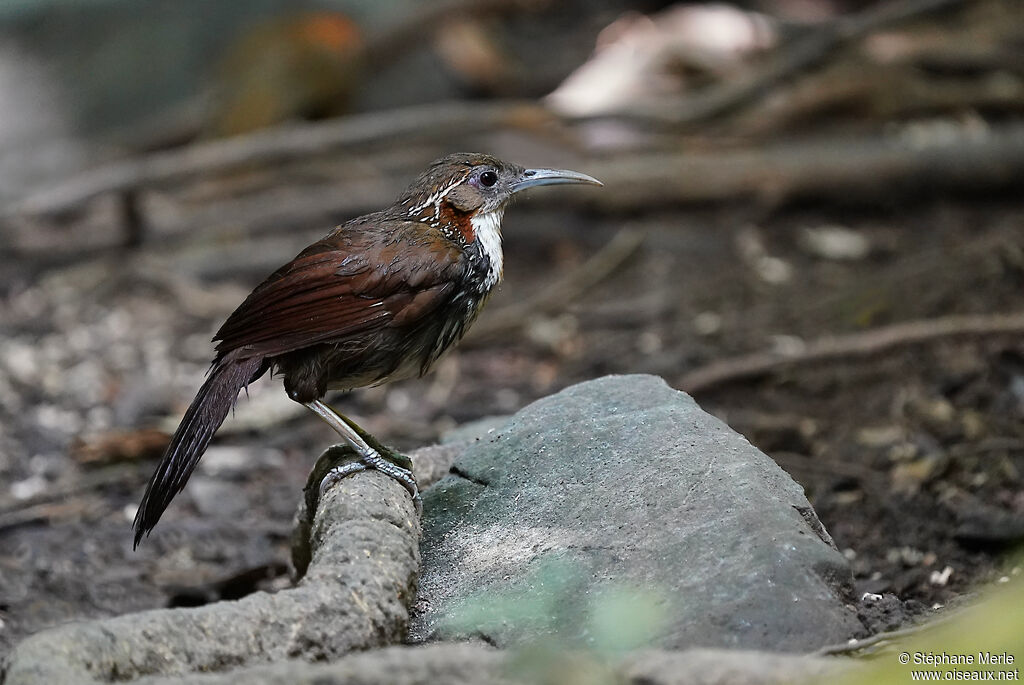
(279, 144)
(863, 344)
(116, 474)
(869, 165)
(48, 512)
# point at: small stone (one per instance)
(940, 578)
(773, 270)
(908, 556)
(30, 487)
(21, 361)
(752, 249)
(649, 342)
(225, 460)
(707, 323)
(215, 498)
(788, 345)
(880, 436)
(836, 243)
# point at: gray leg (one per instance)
(369, 457)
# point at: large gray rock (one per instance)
(623, 487)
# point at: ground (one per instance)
(912, 457)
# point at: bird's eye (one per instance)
(488, 179)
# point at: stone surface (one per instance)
(475, 664)
(440, 664)
(731, 667)
(630, 486)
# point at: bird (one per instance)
(378, 299)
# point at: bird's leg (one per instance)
(371, 453)
(396, 458)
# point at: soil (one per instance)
(913, 458)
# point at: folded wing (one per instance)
(336, 289)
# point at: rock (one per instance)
(447, 664)
(731, 667)
(474, 431)
(236, 461)
(216, 498)
(836, 243)
(623, 485)
(475, 664)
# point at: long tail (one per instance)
(208, 410)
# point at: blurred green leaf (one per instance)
(623, 619)
(579, 632)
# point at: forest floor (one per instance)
(913, 456)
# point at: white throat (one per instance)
(487, 228)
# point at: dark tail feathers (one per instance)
(208, 410)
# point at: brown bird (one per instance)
(377, 299)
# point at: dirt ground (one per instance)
(912, 457)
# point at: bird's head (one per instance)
(476, 184)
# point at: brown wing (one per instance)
(344, 285)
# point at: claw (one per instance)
(336, 473)
(374, 460)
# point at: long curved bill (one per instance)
(550, 177)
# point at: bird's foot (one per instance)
(380, 458)
(362, 452)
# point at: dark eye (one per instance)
(488, 179)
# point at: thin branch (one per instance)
(117, 474)
(868, 165)
(863, 344)
(280, 144)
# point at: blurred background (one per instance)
(811, 221)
